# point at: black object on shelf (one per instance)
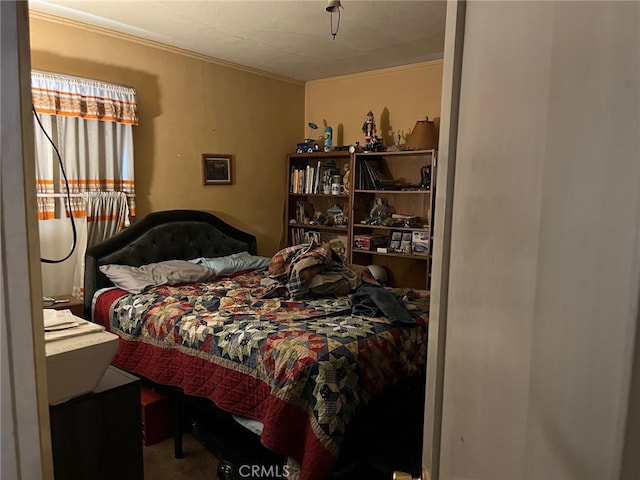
(425, 173)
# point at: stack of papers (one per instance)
(55, 320)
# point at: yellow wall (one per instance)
(398, 98)
(188, 106)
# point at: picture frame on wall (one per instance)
(216, 169)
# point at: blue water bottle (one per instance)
(328, 138)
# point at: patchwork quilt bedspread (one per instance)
(303, 368)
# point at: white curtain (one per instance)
(91, 124)
(107, 213)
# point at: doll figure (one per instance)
(369, 128)
(346, 178)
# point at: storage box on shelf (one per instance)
(393, 197)
(369, 242)
(317, 204)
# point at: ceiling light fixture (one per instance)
(334, 6)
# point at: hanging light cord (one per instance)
(334, 33)
(68, 197)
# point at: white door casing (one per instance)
(25, 438)
(544, 273)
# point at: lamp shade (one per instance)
(424, 136)
(333, 5)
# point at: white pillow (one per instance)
(170, 272)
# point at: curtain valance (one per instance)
(64, 95)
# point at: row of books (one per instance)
(312, 179)
(372, 175)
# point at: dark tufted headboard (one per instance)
(159, 236)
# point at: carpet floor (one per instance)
(198, 463)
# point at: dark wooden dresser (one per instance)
(98, 436)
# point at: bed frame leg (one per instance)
(179, 421)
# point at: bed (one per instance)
(307, 368)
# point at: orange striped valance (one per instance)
(64, 95)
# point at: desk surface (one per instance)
(65, 301)
(76, 305)
(114, 377)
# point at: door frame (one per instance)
(26, 441)
(446, 168)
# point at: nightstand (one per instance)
(76, 305)
(99, 435)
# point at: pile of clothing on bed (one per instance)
(313, 269)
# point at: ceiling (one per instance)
(287, 38)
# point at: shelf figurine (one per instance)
(346, 178)
(380, 212)
(369, 130)
(309, 145)
(396, 146)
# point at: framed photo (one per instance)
(216, 169)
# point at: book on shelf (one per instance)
(377, 174)
(311, 179)
(316, 180)
(297, 236)
(298, 180)
(293, 182)
(325, 170)
(372, 175)
(405, 243)
(396, 240)
(304, 211)
(400, 242)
